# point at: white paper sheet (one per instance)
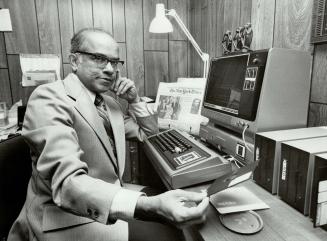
(39, 69)
(236, 199)
(5, 23)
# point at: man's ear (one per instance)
(74, 62)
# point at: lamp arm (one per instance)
(204, 56)
(174, 14)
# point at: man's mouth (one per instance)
(107, 78)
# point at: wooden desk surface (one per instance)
(281, 222)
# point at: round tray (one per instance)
(248, 222)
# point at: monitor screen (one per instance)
(234, 85)
(225, 84)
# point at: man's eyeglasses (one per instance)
(102, 60)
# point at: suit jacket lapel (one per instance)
(87, 109)
(118, 129)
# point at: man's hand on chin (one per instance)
(125, 88)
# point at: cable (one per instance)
(243, 137)
(232, 159)
(236, 163)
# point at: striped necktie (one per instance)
(102, 111)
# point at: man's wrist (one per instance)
(136, 100)
(144, 203)
(146, 208)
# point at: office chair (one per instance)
(15, 172)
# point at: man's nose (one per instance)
(109, 69)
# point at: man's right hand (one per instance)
(171, 207)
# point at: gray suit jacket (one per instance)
(75, 173)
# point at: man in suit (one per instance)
(77, 140)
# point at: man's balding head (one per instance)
(83, 38)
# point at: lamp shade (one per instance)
(5, 21)
(160, 23)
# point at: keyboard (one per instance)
(177, 150)
(181, 160)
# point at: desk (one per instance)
(281, 222)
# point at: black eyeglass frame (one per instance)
(104, 59)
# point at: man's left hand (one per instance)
(178, 207)
(125, 89)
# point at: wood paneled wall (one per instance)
(46, 26)
(276, 23)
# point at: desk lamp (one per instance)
(5, 23)
(161, 24)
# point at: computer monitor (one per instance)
(257, 91)
(232, 87)
(266, 90)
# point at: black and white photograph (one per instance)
(172, 120)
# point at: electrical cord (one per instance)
(234, 161)
(243, 137)
(237, 163)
